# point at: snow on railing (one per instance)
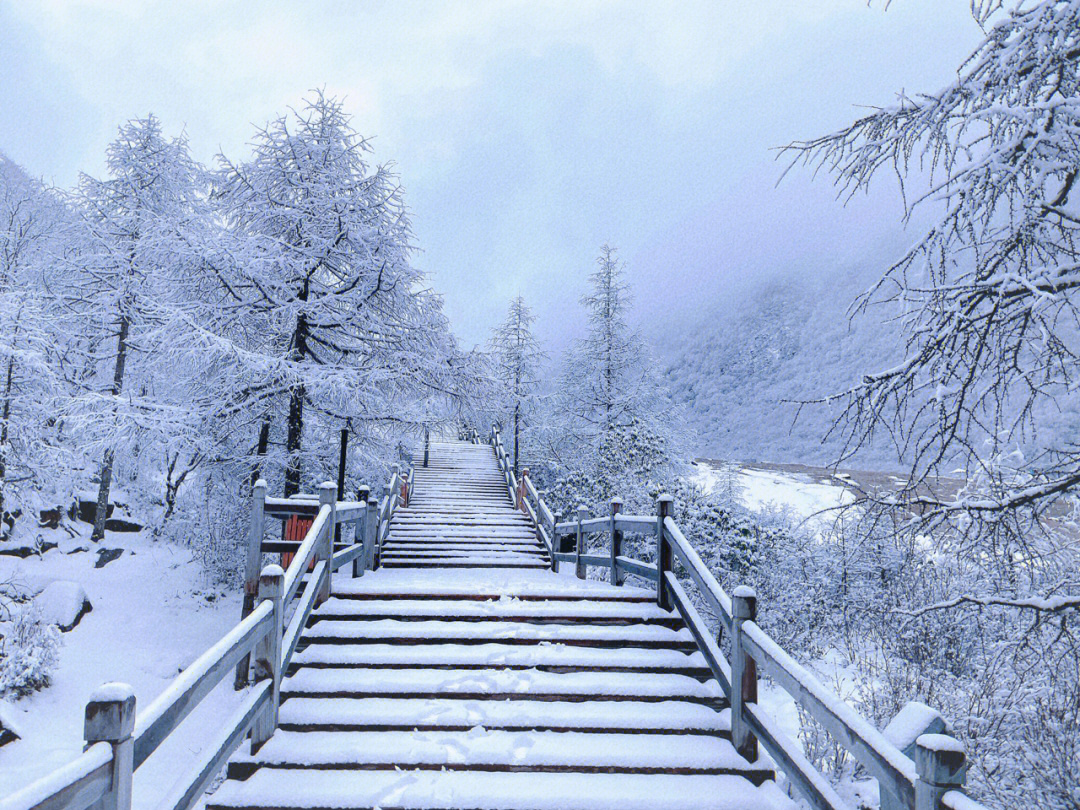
(933, 781)
(119, 741)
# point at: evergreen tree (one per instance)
(337, 321)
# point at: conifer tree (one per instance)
(517, 360)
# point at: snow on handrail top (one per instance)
(147, 721)
(886, 758)
(84, 767)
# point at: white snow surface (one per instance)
(498, 682)
(427, 790)
(524, 713)
(481, 746)
(152, 616)
(787, 490)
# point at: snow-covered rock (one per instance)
(9, 728)
(63, 603)
(26, 548)
(73, 545)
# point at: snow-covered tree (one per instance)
(982, 626)
(517, 360)
(32, 221)
(610, 412)
(337, 322)
(121, 295)
(988, 295)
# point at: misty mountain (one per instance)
(740, 371)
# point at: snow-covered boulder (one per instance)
(26, 547)
(63, 603)
(9, 728)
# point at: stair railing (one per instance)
(931, 780)
(526, 497)
(119, 740)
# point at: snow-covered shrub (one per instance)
(29, 652)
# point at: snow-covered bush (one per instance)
(29, 652)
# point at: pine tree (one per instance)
(611, 415)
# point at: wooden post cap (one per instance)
(744, 602)
(260, 484)
(616, 504)
(940, 760)
(110, 713)
(582, 512)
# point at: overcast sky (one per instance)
(525, 133)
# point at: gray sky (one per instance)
(526, 133)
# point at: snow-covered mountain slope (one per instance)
(740, 369)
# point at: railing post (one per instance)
(110, 718)
(363, 494)
(268, 654)
(252, 562)
(556, 542)
(371, 533)
(940, 762)
(616, 542)
(427, 445)
(327, 497)
(744, 686)
(521, 490)
(663, 552)
(579, 565)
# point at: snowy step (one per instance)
(481, 585)
(459, 543)
(519, 554)
(488, 562)
(499, 684)
(508, 518)
(550, 657)
(506, 609)
(441, 714)
(495, 750)
(317, 789)
(332, 631)
(476, 546)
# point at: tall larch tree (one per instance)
(517, 362)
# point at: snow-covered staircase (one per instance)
(465, 674)
(460, 515)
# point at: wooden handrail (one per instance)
(77, 785)
(903, 783)
(103, 773)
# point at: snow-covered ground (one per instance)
(759, 487)
(153, 613)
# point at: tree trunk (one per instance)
(294, 438)
(260, 451)
(105, 475)
(5, 417)
(517, 434)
